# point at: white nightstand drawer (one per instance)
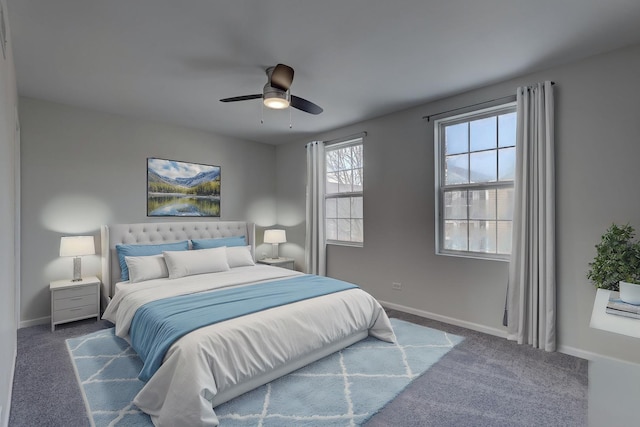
(72, 301)
(74, 313)
(76, 292)
(79, 301)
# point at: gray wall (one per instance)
(81, 169)
(598, 149)
(9, 149)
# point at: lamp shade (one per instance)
(77, 246)
(275, 236)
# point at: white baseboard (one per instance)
(571, 351)
(589, 355)
(34, 322)
(582, 354)
(4, 415)
(445, 319)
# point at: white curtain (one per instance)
(531, 296)
(315, 249)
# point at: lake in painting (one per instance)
(182, 189)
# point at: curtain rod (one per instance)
(341, 139)
(346, 138)
(504, 98)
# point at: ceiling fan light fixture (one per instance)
(275, 98)
(276, 103)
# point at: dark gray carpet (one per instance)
(484, 381)
(45, 389)
(489, 381)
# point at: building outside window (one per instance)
(344, 193)
(475, 170)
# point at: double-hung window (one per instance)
(475, 169)
(343, 193)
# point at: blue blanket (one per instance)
(158, 324)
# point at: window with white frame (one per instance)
(343, 193)
(475, 169)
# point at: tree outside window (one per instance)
(344, 193)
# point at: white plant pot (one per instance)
(630, 293)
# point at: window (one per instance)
(343, 193)
(475, 169)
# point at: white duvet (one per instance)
(205, 365)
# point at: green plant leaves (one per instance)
(618, 258)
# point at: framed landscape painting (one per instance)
(182, 189)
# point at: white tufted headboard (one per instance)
(162, 232)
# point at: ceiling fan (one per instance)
(276, 93)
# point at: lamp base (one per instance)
(77, 269)
(274, 251)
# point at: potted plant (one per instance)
(617, 263)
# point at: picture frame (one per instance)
(182, 189)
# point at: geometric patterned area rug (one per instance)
(343, 389)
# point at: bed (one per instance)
(280, 327)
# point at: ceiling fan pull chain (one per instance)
(290, 125)
(261, 113)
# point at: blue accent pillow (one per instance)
(145, 250)
(218, 243)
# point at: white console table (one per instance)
(600, 319)
(613, 384)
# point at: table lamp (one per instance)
(77, 246)
(275, 237)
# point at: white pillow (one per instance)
(143, 268)
(188, 263)
(239, 256)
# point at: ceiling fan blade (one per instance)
(242, 98)
(304, 105)
(281, 77)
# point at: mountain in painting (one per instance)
(189, 182)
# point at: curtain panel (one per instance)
(315, 248)
(531, 296)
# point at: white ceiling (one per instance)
(171, 61)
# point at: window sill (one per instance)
(475, 255)
(339, 243)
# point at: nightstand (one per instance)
(278, 262)
(71, 301)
